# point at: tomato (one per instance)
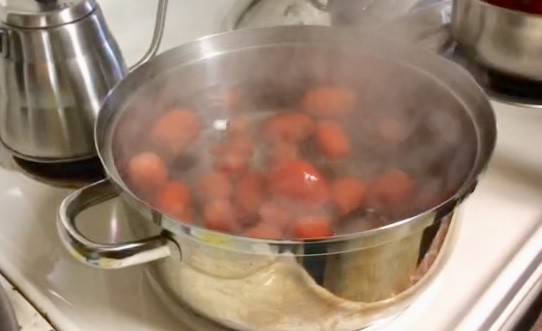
(291, 127)
(392, 131)
(349, 194)
(391, 193)
(216, 185)
(300, 180)
(220, 215)
(234, 156)
(238, 126)
(176, 130)
(332, 140)
(282, 152)
(265, 231)
(147, 172)
(273, 213)
(328, 101)
(312, 227)
(250, 192)
(174, 200)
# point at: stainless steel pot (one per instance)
(505, 40)
(343, 283)
(8, 321)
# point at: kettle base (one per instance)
(73, 174)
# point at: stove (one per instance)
(494, 273)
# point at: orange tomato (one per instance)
(300, 180)
(328, 101)
(147, 172)
(250, 192)
(291, 127)
(220, 215)
(216, 185)
(312, 227)
(332, 140)
(265, 231)
(392, 192)
(176, 130)
(174, 200)
(349, 194)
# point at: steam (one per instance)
(431, 137)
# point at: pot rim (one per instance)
(202, 49)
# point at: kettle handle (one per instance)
(157, 35)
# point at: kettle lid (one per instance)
(43, 13)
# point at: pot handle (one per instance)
(105, 256)
(157, 35)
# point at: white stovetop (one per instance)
(499, 219)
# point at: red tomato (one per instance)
(147, 172)
(300, 180)
(220, 215)
(176, 130)
(174, 200)
(265, 231)
(250, 192)
(328, 101)
(283, 152)
(332, 140)
(291, 127)
(349, 194)
(312, 227)
(392, 192)
(273, 213)
(216, 185)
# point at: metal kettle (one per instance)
(58, 60)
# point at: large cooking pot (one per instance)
(341, 283)
(500, 38)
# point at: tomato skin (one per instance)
(312, 227)
(220, 215)
(328, 101)
(250, 192)
(332, 140)
(392, 131)
(265, 231)
(216, 185)
(147, 172)
(175, 130)
(175, 199)
(391, 193)
(299, 180)
(349, 194)
(291, 127)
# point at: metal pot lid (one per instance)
(43, 13)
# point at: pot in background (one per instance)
(343, 283)
(505, 40)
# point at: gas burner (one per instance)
(62, 174)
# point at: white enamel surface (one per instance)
(499, 217)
